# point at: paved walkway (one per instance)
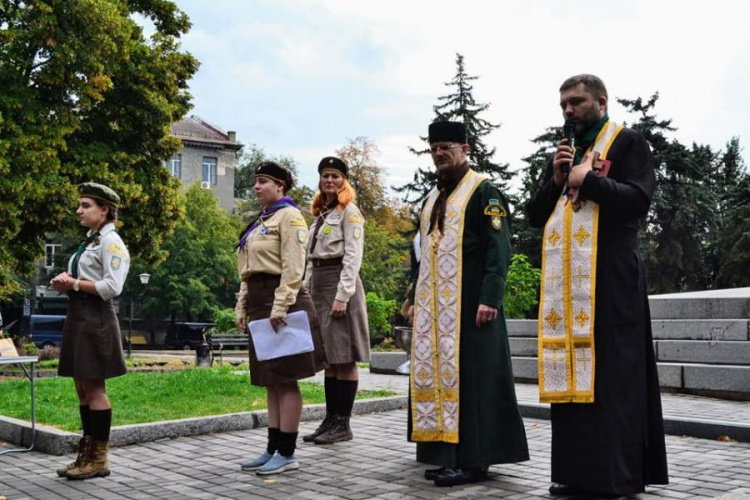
(379, 463)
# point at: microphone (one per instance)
(569, 134)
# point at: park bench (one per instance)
(233, 341)
(223, 341)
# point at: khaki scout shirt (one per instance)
(276, 246)
(342, 235)
(105, 261)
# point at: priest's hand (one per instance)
(578, 173)
(486, 314)
(410, 316)
(563, 156)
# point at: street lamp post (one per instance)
(144, 277)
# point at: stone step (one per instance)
(701, 329)
(696, 377)
(680, 351)
(702, 351)
(523, 346)
(677, 329)
(521, 327)
(710, 304)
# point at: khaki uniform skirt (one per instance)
(91, 343)
(288, 369)
(347, 339)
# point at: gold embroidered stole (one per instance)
(567, 303)
(437, 319)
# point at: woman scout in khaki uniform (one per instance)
(335, 256)
(91, 350)
(271, 264)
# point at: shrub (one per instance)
(379, 312)
(30, 349)
(225, 321)
(521, 287)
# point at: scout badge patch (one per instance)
(115, 249)
(496, 212)
(115, 262)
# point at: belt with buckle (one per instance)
(327, 262)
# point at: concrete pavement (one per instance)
(379, 463)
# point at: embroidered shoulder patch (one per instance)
(298, 220)
(115, 249)
(115, 262)
(497, 222)
(354, 218)
(495, 209)
(357, 232)
(302, 235)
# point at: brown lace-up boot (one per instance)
(341, 431)
(324, 427)
(94, 463)
(83, 445)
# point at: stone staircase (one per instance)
(701, 341)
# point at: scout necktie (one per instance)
(79, 252)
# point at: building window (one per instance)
(209, 169)
(50, 250)
(175, 166)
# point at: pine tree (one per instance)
(460, 105)
(527, 239)
(681, 208)
(734, 230)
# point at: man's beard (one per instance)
(586, 122)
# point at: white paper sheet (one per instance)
(293, 338)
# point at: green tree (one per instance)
(682, 206)
(384, 262)
(84, 96)
(527, 240)
(200, 273)
(734, 232)
(460, 105)
(365, 176)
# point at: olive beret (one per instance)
(333, 163)
(99, 192)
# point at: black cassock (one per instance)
(616, 444)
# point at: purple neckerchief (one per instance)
(265, 214)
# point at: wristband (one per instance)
(77, 285)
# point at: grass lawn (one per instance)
(150, 397)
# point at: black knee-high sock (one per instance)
(101, 422)
(287, 443)
(346, 392)
(330, 386)
(85, 412)
(273, 440)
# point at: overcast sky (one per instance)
(299, 77)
